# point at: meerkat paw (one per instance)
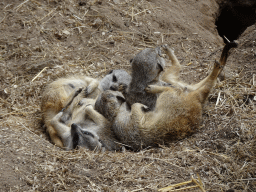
(88, 107)
(122, 88)
(88, 90)
(56, 118)
(78, 91)
(145, 108)
(150, 89)
(167, 49)
(165, 46)
(217, 65)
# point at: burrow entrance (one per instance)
(234, 18)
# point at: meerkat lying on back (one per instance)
(87, 128)
(59, 93)
(177, 113)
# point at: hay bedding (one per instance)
(59, 38)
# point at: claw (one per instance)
(87, 91)
(165, 46)
(148, 89)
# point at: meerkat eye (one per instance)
(80, 103)
(114, 78)
(87, 133)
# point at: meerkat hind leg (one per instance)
(221, 63)
(205, 88)
(157, 89)
(54, 136)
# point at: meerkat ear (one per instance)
(158, 50)
(160, 66)
(161, 63)
(120, 98)
(110, 72)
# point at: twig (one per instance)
(20, 5)
(28, 129)
(163, 161)
(132, 14)
(3, 19)
(201, 187)
(249, 179)
(171, 187)
(39, 74)
(218, 99)
(226, 38)
(47, 14)
(49, 18)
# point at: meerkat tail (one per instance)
(225, 52)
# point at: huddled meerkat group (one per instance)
(147, 108)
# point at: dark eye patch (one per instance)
(87, 133)
(80, 103)
(71, 85)
(114, 78)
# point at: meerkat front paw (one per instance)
(167, 49)
(56, 118)
(149, 89)
(165, 46)
(88, 90)
(122, 88)
(145, 108)
(88, 107)
(78, 91)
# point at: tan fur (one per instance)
(61, 93)
(177, 113)
(57, 95)
(87, 128)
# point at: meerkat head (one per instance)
(108, 103)
(115, 78)
(84, 138)
(147, 66)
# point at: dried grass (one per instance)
(63, 38)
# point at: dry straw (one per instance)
(60, 38)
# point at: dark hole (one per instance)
(233, 20)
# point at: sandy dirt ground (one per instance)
(58, 38)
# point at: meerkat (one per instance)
(147, 66)
(60, 92)
(88, 128)
(177, 113)
(115, 78)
